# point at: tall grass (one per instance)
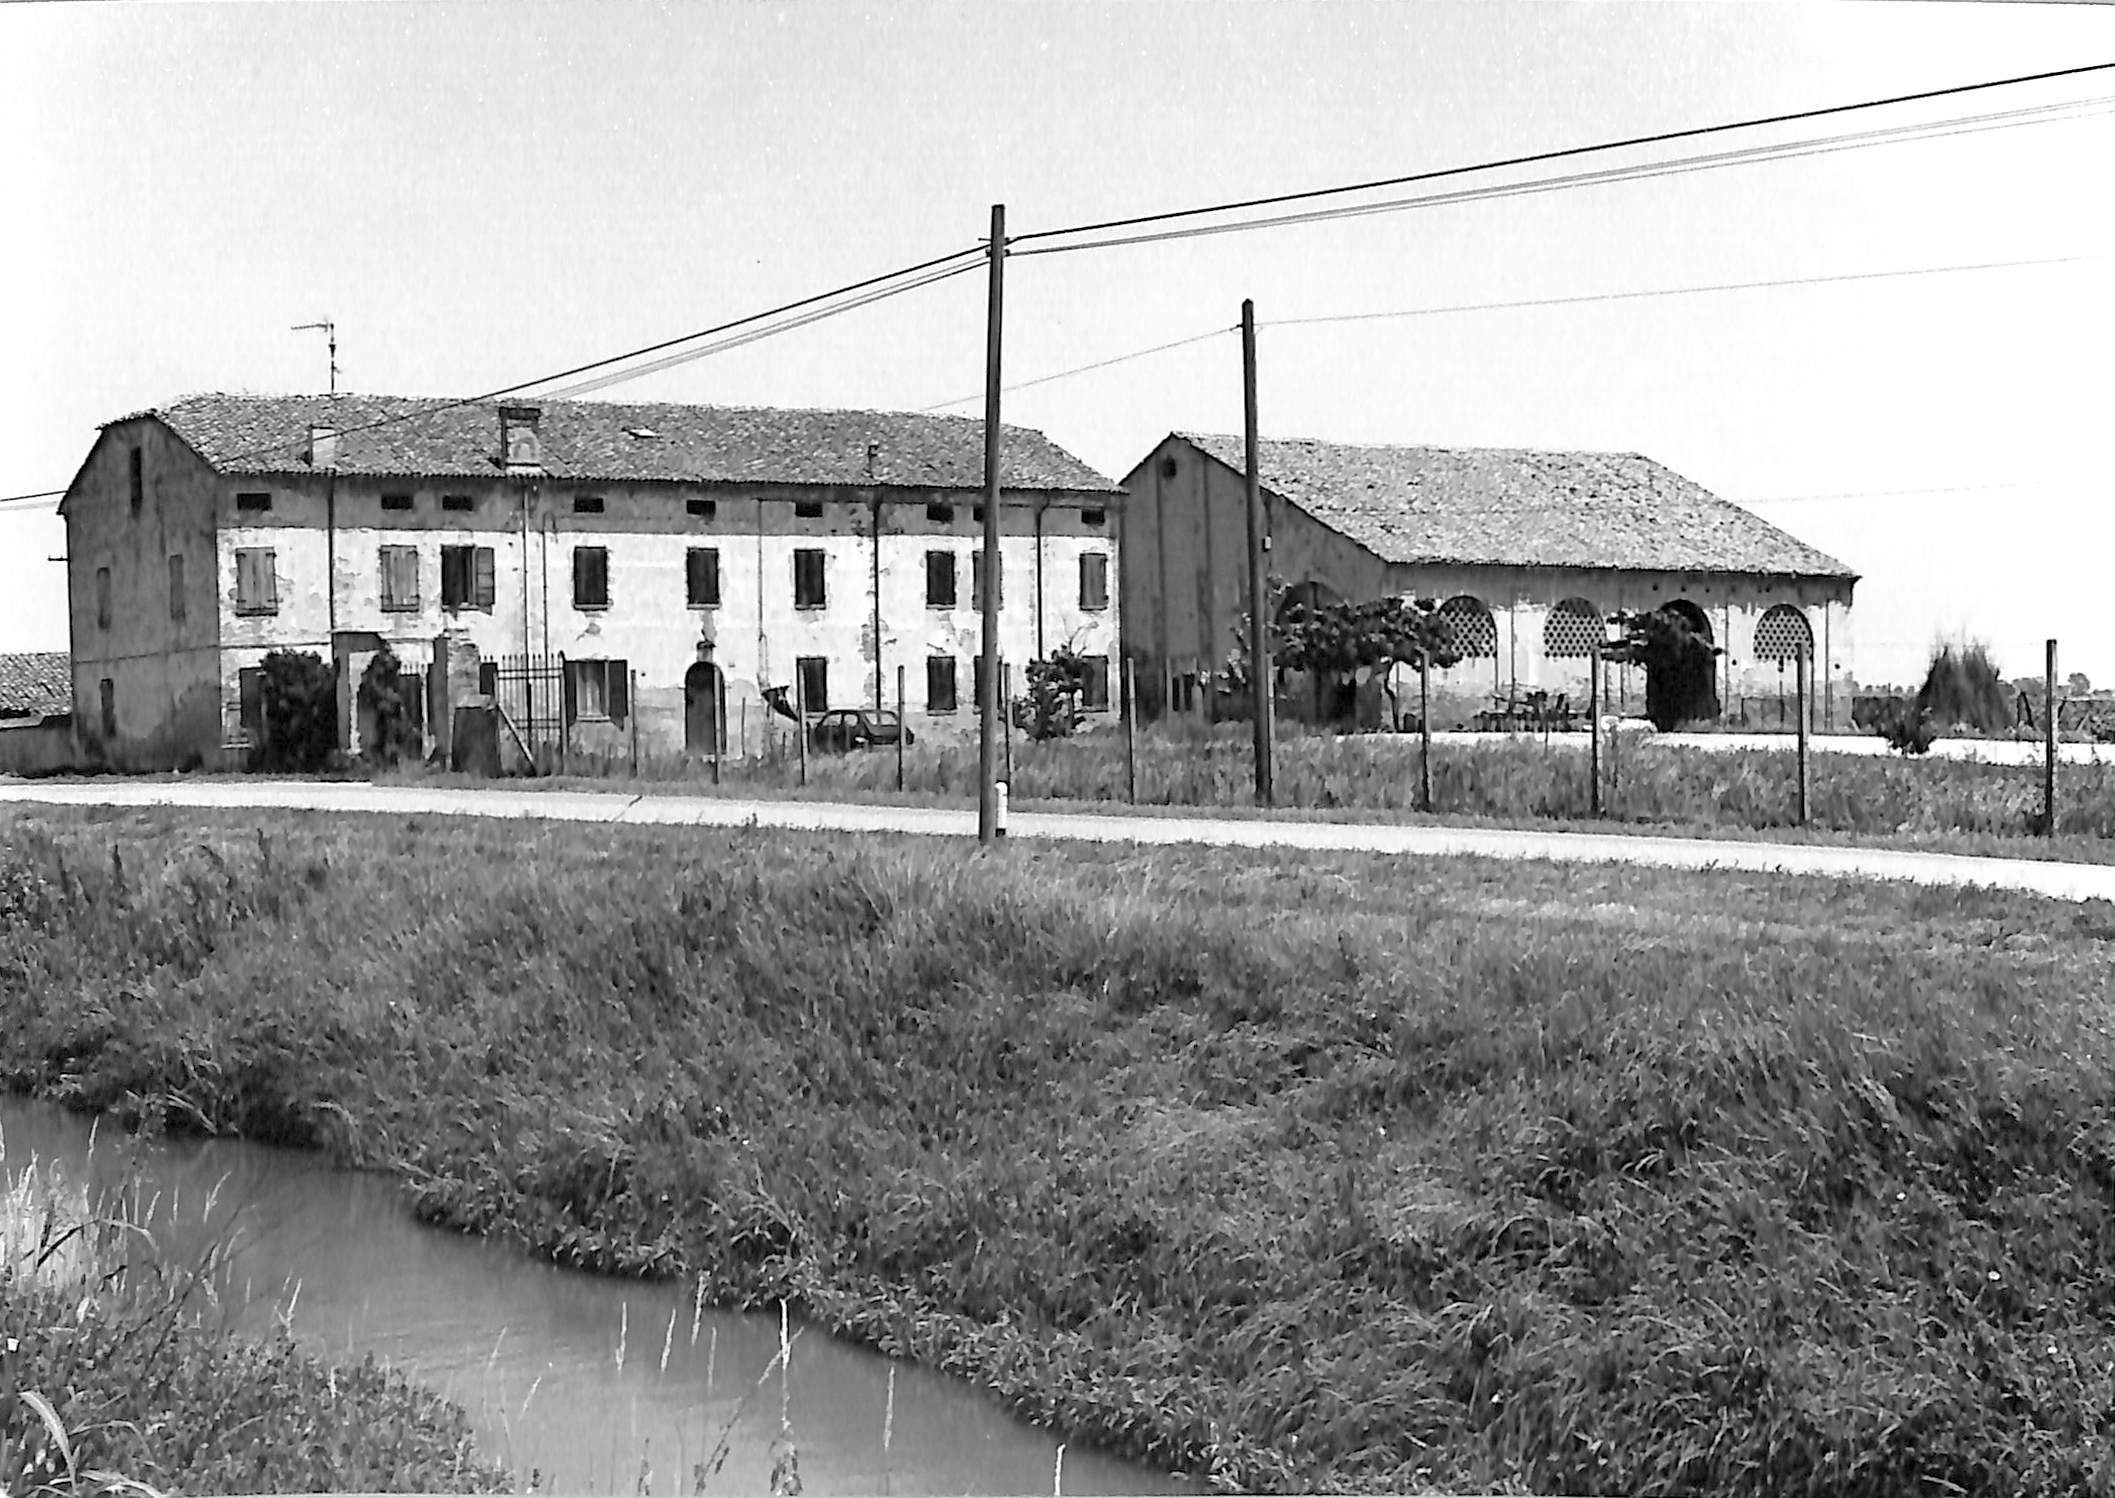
(116, 1379)
(1301, 1172)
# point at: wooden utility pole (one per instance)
(1424, 729)
(2049, 743)
(988, 724)
(903, 727)
(1593, 727)
(1258, 593)
(1130, 733)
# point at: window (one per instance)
(809, 591)
(253, 502)
(976, 679)
(400, 578)
(466, 577)
(107, 698)
(256, 580)
(587, 504)
(701, 577)
(940, 684)
(1094, 580)
(488, 678)
(139, 480)
(976, 580)
(591, 577)
(940, 514)
(598, 691)
(1469, 627)
(176, 587)
(102, 598)
(1573, 630)
(1094, 515)
(396, 501)
(1094, 686)
(704, 509)
(1782, 635)
(807, 509)
(459, 503)
(939, 579)
(976, 514)
(814, 682)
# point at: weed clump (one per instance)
(1962, 689)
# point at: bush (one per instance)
(387, 709)
(300, 713)
(1962, 689)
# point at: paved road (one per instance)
(2063, 881)
(1982, 751)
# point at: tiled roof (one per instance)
(35, 685)
(591, 441)
(1513, 507)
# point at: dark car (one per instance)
(846, 728)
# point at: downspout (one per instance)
(1039, 652)
(874, 502)
(528, 681)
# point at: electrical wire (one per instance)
(1066, 374)
(877, 286)
(2065, 112)
(1536, 158)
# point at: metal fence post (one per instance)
(800, 718)
(1424, 730)
(1593, 730)
(1802, 682)
(2049, 743)
(1130, 734)
(903, 724)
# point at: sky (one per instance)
(478, 194)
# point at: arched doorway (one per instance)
(704, 709)
(1696, 619)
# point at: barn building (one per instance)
(1528, 552)
(601, 572)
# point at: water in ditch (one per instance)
(580, 1378)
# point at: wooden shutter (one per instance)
(482, 591)
(570, 690)
(618, 690)
(268, 565)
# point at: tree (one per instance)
(300, 713)
(1681, 671)
(1056, 687)
(384, 689)
(1361, 642)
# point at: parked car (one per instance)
(846, 728)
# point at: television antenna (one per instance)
(329, 330)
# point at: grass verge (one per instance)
(1307, 1172)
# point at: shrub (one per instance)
(386, 708)
(300, 713)
(1962, 689)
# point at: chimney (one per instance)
(520, 449)
(322, 447)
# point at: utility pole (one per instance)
(1258, 594)
(988, 708)
(330, 331)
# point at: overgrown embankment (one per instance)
(1329, 1173)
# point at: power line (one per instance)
(1066, 374)
(1640, 171)
(1796, 499)
(1565, 153)
(913, 275)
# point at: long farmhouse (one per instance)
(598, 570)
(1528, 551)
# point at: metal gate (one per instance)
(530, 693)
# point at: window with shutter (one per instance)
(482, 587)
(1094, 688)
(976, 580)
(177, 608)
(940, 579)
(701, 577)
(809, 590)
(455, 576)
(102, 598)
(814, 682)
(256, 580)
(1094, 580)
(400, 578)
(940, 684)
(591, 577)
(619, 691)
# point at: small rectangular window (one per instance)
(1094, 580)
(139, 480)
(976, 514)
(591, 577)
(1094, 689)
(809, 588)
(458, 503)
(488, 678)
(703, 509)
(107, 700)
(939, 579)
(176, 588)
(940, 684)
(976, 681)
(976, 580)
(940, 514)
(400, 578)
(102, 598)
(807, 509)
(256, 580)
(1095, 516)
(701, 577)
(587, 504)
(814, 682)
(253, 502)
(396, 501)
